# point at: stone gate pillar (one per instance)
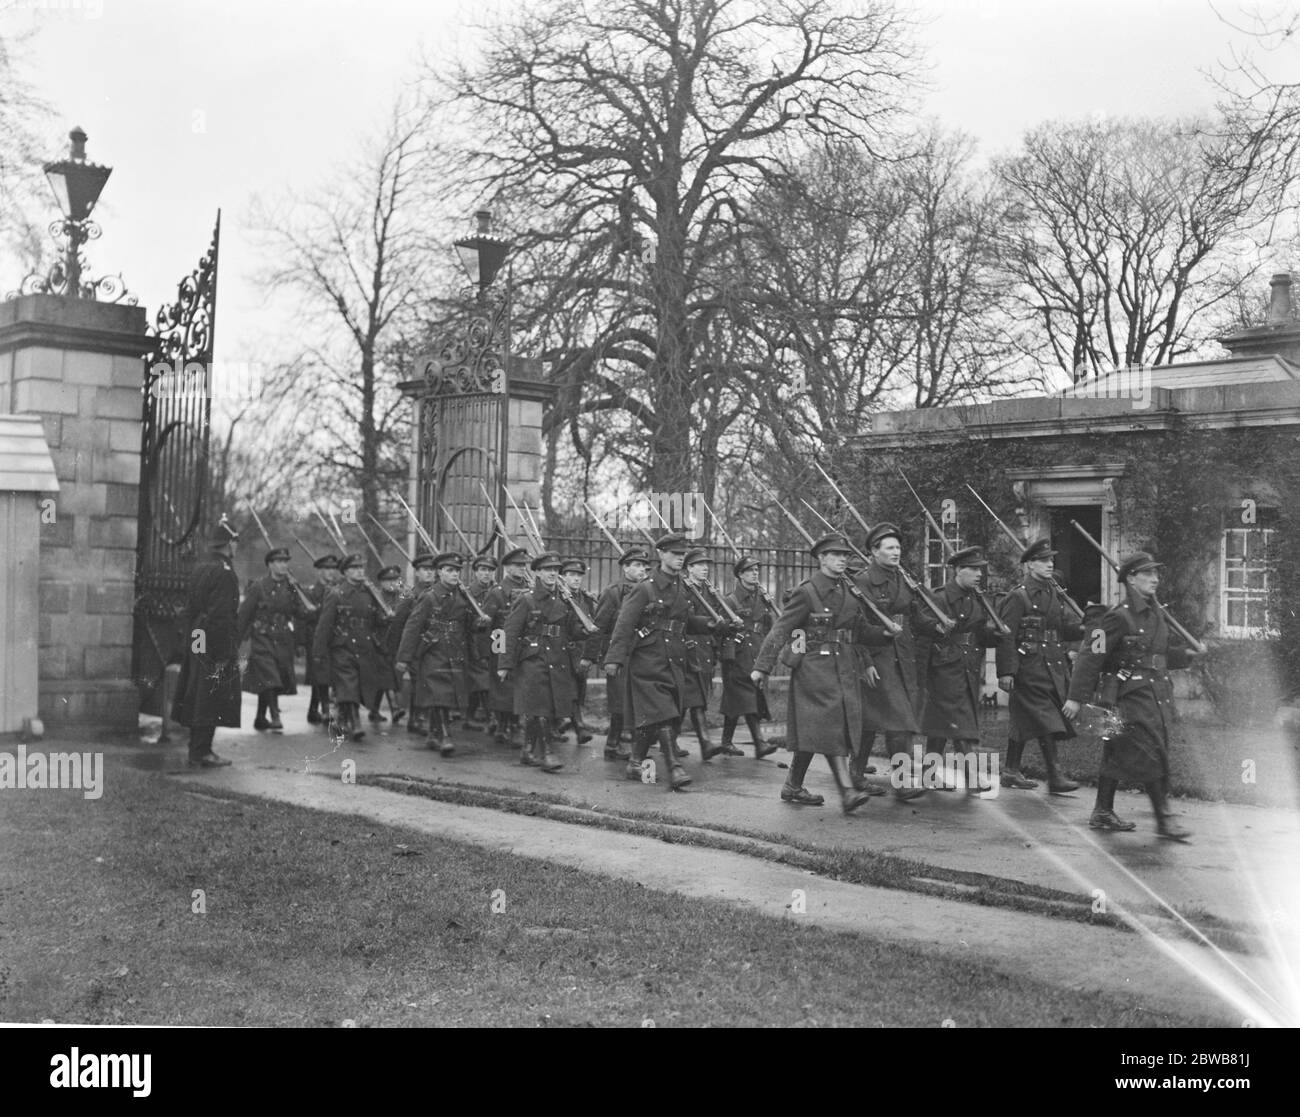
(77, 364)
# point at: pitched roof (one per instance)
(25, 462)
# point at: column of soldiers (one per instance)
(869, 655)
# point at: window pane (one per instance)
(1234, 543)
(1236, 612)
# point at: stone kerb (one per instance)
(77, 364)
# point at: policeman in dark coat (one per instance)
(816, 636)
(345, 646)
(207, 695)
(268, 616)
(1034, 667)
(438, 643)
(648, 657)
(573, 571)
(740, 697)
(1126, 666)
(425, 576)
(635, 565)
(540, 633)
(390, 589)
(702, 656)
(327, 577)
(953, 660)
(501, 695)
(483, 581)
(890, 695)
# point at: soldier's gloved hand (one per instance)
(1006, 682)
(584, 665)
(873, 677)
(482, 624)
(400, 668)
(503, 675)
(1070, 708)
(758, 678)
(611, 669)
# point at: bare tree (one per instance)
(1130, 238)
(22, 188)
(663, 116)
(355, 254)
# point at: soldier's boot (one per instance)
(260, 722)
(971, 774)
(707, 748)
(793, 790)
(897, 742)
(728, 732)
(580, 729)
(376, 717)
(515, 734)
(313, 707)
(446, 747)
(1167, 825)
(678, 747)
(939, 746)
(354, 720)
(640, 750)
(1103, 812)
(528, 747)
(546, 759)
(1011, 774)
(1057, 784)
(761, 747)
(859, 766)
(850, 797)
(613, 747)
(677, 777)
(433, 735)
(418, 724)
(273, 709)
(477, 705)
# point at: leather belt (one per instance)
(550, 630)
(965, 639)
(677, 627)
(838, 636)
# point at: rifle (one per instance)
(713, 613)
(949, 550)
(307, 603)
(862, 599)
(428, 542)
(311, 558)
(561, 587)
(1061, 595)
(343, 549)
(389, 535)
(911, 583)
(771, 606)
(373, 549)
(501, 527)
(470, 547)
(1169, 618)
(613, 542)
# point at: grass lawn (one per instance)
(314, 919)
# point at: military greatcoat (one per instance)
(346, 647)
(1035, 654)
(740, 697)
(649, 644)
(498, 604)
(540, 632)
(439, 638)
(607, 606)
(270, 614)
(954, 665)
(208, 691)
(306, 632)
(480, 672)
(891, 705)
(825, 704)
(700, 650)
(1135, 649)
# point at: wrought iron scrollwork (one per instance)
(183, 329)
(57, 281)
(470, 357)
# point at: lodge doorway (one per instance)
(1078, 566)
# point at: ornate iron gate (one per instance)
(173, 470)
(463, 412)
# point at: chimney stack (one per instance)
(1279, 302)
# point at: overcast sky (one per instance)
(197, 104)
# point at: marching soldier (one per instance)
(699, 680)
(390, 589)
(268, 613)
(425, 576)
(345, 647)
(438, 644)
(327, 578)
(648, 658)
(825, 713)
(483, 581)
(540, 632)
(889, 687)
(1034, 669)
(635, 565)
(501, 695)
(740, 697)
(207, 695)
(953, 661)
(1128, 668)
(573, 571)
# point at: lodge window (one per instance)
(936, 555)
(1245, 575)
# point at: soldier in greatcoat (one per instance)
(818, 635)
(268, 616)
(541, 631)
(327, 578)
(482, 584)
(635, 565)
(207, 694)
(890, 695)
(648, 658)
(390, 589)
(740, 697)
(345, 645)
(438, 644)
(573, 571)
(501, 694)
(953, 660)
(1126, 667)
(1034, 668)
(702, 652)
(425, 575)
